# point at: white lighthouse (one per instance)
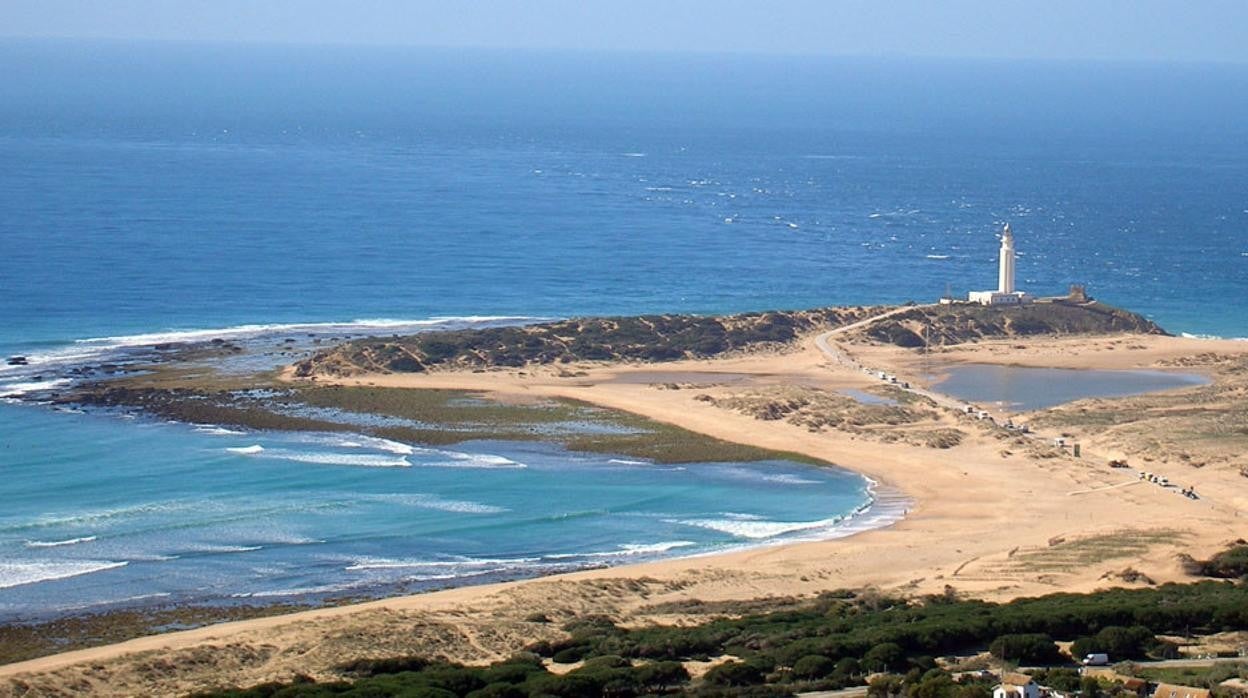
(1005, 294)
(1005, 279)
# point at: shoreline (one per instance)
(987, 520)
(882, 506)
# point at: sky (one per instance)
(1149, 30)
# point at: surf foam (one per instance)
(758, 530)
(360, 460)
(429, 501)
(58, 543)
(34, 571)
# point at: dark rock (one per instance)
(18, 361)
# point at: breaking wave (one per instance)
(58, 543)
(429, 501)
(353, 459)
(32, 571)
(759, 529)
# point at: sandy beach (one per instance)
(989, 517)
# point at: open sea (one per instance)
(154, 191)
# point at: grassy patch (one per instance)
(1078, 553)
(1201, 676)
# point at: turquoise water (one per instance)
(173, 513)
(197, 190)
(1024, 388)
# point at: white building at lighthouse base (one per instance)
(999, 298)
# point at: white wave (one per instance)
(645, 548)
(628, 550)
(758, 530)
(475, 460)
(341, 459)
(633, 155)
(15, 573)
(378, 444)
(625, 461)
(1188, 335)
(938, 256)
(17, 389)
(368, 461)
(356, 441)
(215, 430)
(788, 479)
(211, 549)
(295, 591)
(247, 450)
(255, 330)
(458, 567)
(429, 501)
(58, 543)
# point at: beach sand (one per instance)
(988, 518)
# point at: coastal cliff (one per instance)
(657, 338)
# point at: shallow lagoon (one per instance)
(1023, 388)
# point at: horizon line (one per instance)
(617, 51)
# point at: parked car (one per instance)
(1096, 659)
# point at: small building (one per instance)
(1136, 686)
(1172, 690)
(1016, 685)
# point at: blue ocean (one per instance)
(157, 191)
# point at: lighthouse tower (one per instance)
(1006, 293)
(1005, 282)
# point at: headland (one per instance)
(992, 510)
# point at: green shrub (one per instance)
(568, 655)
(1025, 648)
(886, 656)
(813, 666)
(499, 690)
(1118, 642)
(1228, 564)
(734, 673)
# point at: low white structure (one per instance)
(1006, 293)
(1015, 685)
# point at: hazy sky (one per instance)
(1166, 30)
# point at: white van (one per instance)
(1096, 659)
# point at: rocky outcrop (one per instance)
(946, 325)
(650, 338)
